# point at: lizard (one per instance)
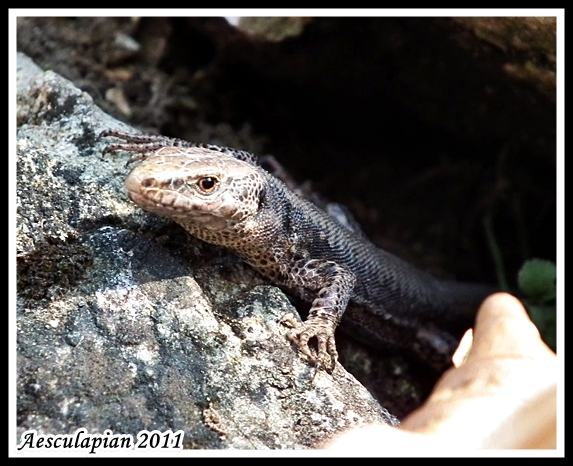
(224, 197)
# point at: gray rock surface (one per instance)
(126, 323)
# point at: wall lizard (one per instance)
(224, 197)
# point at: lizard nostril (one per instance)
(176, 183)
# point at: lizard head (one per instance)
(206, 191)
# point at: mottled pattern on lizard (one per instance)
(222, 196)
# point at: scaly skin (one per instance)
(222, 196)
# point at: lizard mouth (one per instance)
(145, 203)
(207, 219)
(159, 201)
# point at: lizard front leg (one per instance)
(334, 284)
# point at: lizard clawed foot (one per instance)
(323, 331)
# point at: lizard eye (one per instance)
(207, 184)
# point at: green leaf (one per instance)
(537, 279)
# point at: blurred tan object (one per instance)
(503, 396)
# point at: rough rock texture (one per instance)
(126, 323)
